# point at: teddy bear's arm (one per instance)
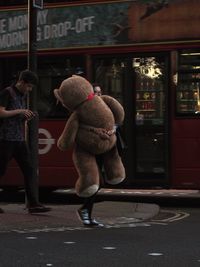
(116, 108)
(67, 138)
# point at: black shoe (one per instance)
(38, 209)
(84, 216)
(93, 222)
(1, 211)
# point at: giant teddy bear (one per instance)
(90, 130)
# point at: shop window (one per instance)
(188, 84)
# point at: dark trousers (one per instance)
(19, 151)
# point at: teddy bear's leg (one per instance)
(114, 168)
(88, 181)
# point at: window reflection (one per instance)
(52, 72)
(188, 87)
(150, 115)
(108, 74)
(150, 98)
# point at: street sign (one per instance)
(38, 3)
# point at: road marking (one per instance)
(155, 254)
(31, 237)
(47, 230)
(176, 216)
(159, 223)
(109, 248)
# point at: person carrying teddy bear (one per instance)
(90, 131)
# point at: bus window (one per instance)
(51, 74)
(188, 86)
(48, 107)
(108, 74)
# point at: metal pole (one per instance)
(32, 98)
(32, 38)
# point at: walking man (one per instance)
(13, 117)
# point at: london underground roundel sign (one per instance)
(45, 141)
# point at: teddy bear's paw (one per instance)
(115, 181)
(91, 190)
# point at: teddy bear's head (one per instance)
(74, 91)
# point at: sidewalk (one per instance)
(114, 208)
(63, 217)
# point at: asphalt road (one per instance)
(161, 242)
(135, 234)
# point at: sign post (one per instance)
(32, 98)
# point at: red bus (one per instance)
(144, 53)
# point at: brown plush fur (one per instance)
(90, 129)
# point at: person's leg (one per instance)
(6, 152)
(89, 201)
(99, 160)
(22, 156)
(88, 204)
(87, 184)
(85, 212)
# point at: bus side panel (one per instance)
(57, 177)
(186, 153)
(13, 176)
(56, 168)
